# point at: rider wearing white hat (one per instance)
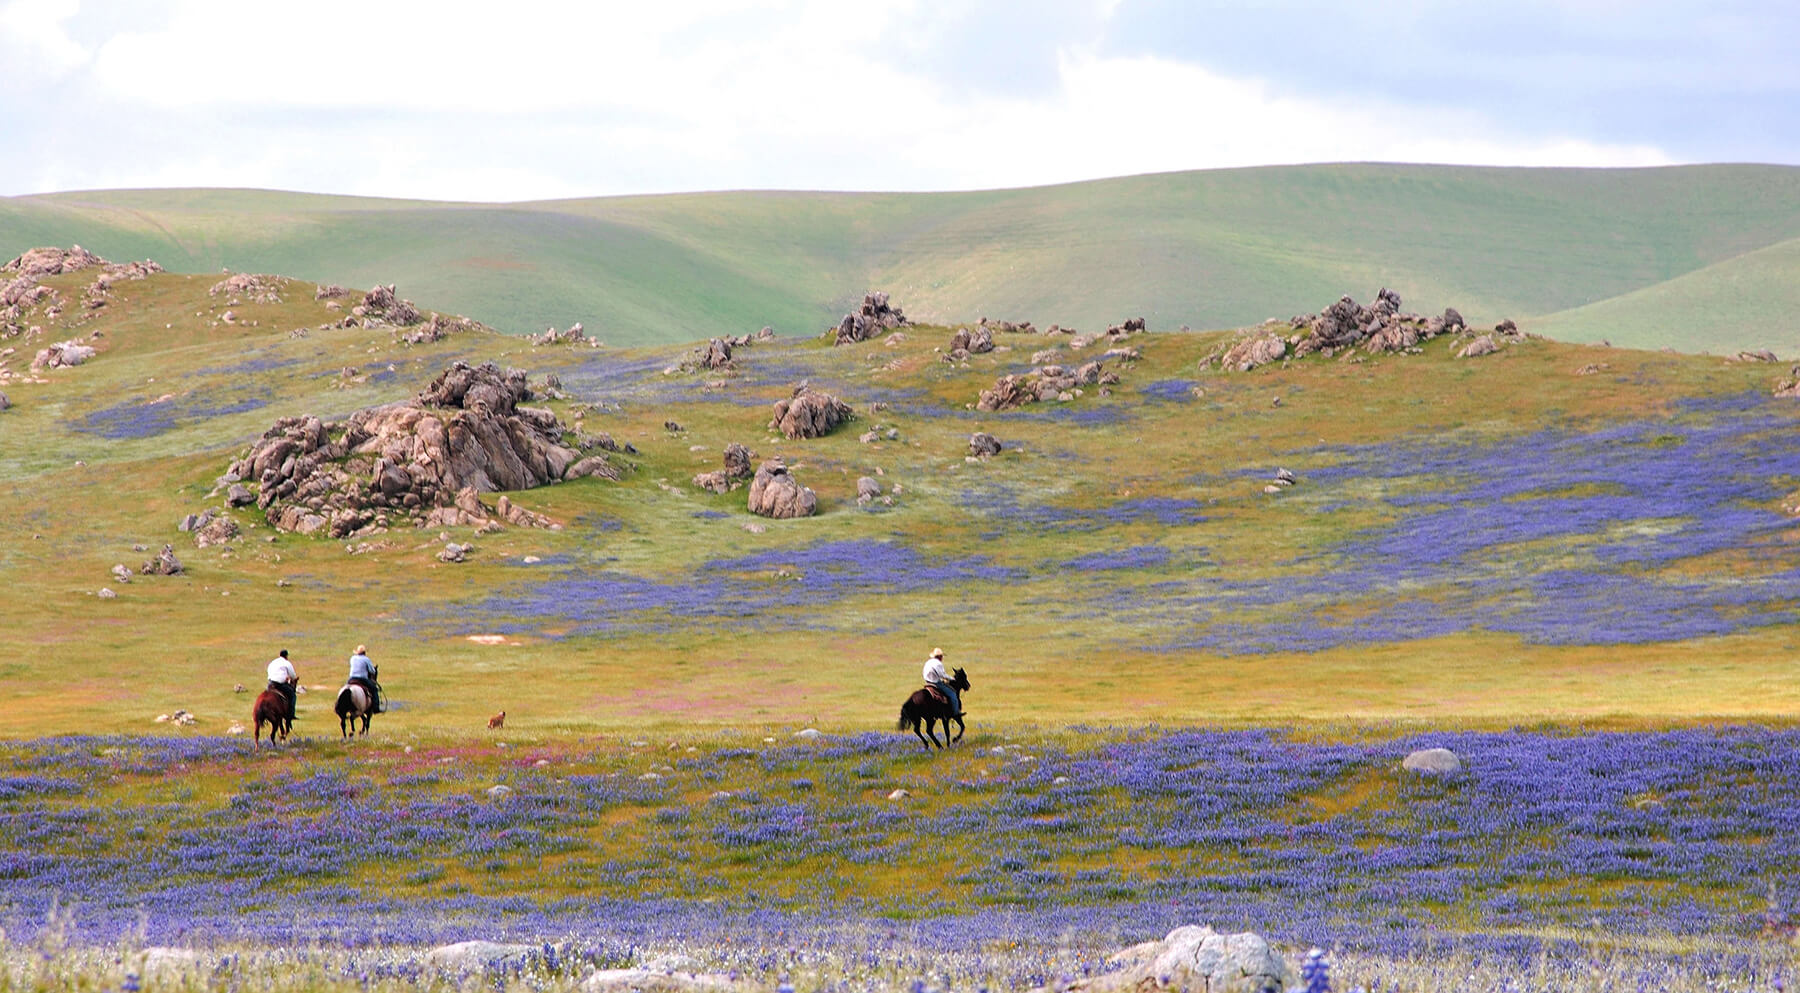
(936, 676)
(362, 673)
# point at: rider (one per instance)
(936, 676)
(362, 673)
(283, 679)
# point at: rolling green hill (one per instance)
(1206, 249)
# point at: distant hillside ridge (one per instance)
(1614, 254)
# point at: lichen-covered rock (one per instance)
(983, 445)
(421, 462)
(776, 493)
(809, 413)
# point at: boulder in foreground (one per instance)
(1193, 959)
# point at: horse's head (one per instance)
(960, 680)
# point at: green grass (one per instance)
(1207, 249)
(1043, 650)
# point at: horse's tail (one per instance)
(346, 702)
(907, 719)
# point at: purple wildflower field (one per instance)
(1110, 837)
(146, 418)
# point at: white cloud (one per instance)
(32, 32)
(463, 102)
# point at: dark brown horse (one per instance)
(271, 709)
(924, 707)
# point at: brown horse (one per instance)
(925, 708)
(271, 708)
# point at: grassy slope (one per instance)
(1207, 249)
(1059, 645)
(1755, 296)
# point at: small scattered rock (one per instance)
(121, 573)
(164, 564)
(1484, 345)
(898, 795)
(983, 445)
(106, 594)
(454, 552)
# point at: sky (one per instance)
(496, 102)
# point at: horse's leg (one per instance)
(931, 729)
(920, 735)
(365, 730)
(959, 728)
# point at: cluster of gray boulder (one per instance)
(1379, 326)
(422, 462)
(1050, 382)
(877, 314)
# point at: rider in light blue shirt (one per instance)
(362, 673)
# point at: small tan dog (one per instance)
(497, 721)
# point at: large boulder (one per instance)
(1483, 345)
(648, 980)
(809, 413)
(423, 462)
(1432, 762)
(776, 493)
(475, 957)
(1194, 959)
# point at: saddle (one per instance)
(937, 695)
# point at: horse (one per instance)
(352, 702)
(270, 708)
(924, 708)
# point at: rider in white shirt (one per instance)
(936, 676)
(283, 679)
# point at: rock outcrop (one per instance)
(1045, 383)
(1192, 959)
(382, 305)
(40, 262)
(776, 493)
(421, 462)
(877, 314)
(243, 287)
(437, 327)
(809, 413)
(1379, 326)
